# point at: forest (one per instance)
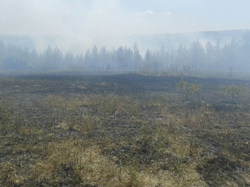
(210, 56)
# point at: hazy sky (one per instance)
(92, 18)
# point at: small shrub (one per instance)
(233, 91)
(189, 89)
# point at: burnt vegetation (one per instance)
(123, 130)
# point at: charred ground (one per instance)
(122, 130)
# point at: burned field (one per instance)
(124, 130)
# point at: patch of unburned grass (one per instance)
(73, 162)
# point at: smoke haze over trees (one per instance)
(232, 56)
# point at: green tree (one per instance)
(136, 57)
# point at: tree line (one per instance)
(211, 56)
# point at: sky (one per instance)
(86, 20)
